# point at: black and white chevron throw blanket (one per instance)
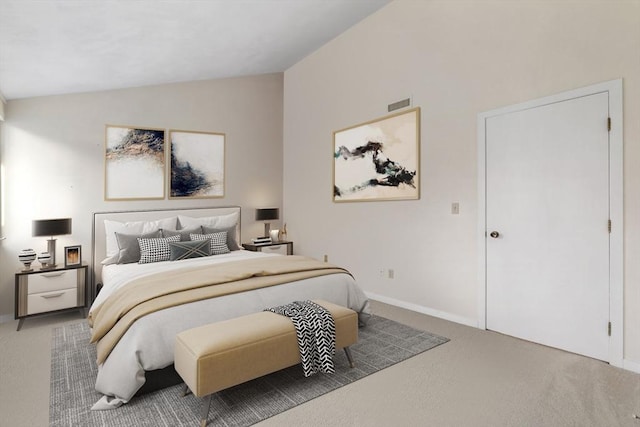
(316, 332)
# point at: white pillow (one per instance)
(132, 227)
(218, 221)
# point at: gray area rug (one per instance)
(381, 343)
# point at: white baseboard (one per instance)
(630, 365)
(6, 318)
(424, 310)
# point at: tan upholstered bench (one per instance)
(220, 355)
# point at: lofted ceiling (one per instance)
(50, 47)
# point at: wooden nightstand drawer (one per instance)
(52, 301)
(53, 281)
(45, 291)
(274, 249)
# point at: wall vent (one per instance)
(399, 104)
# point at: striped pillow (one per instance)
(218, 241)
(185, 250)
(155, 250)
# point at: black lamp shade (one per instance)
(267, 214)
(51, 227)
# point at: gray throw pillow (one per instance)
(186, 250)
(129, 247)
(232, 243)
(184, 234)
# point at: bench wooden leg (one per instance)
(206, 404)
(347, 351)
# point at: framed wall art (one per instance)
(197, 164)
(134, 163)
(378, 160)
(72, 255)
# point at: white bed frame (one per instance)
(98, 237)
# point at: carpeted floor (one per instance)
(382, 343)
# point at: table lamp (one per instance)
(51, 227)
(267, 214)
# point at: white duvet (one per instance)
(148, 344)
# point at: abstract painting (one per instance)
(378, 160)
(134, 163)
(197, 164)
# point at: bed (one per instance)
(145, 344)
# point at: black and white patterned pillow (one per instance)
(218, 242)
(155, 250)
(232, 243)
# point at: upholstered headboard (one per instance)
(99, 236)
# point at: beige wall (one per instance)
(455, 59)
(53, 154)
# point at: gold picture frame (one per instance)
(378, 160)
(197, 164)
(134, 163)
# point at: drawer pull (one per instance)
(59, 294)
(54, 274)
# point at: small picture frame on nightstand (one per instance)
(72, 256)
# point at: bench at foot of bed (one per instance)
(220, 355)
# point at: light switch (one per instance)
(455, 208)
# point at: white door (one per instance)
(547, 208)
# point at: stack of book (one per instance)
(261, 240)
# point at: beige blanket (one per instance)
(155, 292)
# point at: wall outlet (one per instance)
(391, 274)
(455, 208)
(326, 258)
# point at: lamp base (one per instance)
(51, 248)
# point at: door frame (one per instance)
(616, 206)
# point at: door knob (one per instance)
(494, 234)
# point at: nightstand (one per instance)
(53, 290)
(281, 248)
